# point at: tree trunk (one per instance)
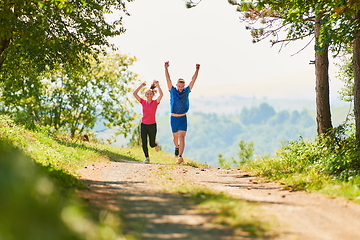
(356, 56)
(323, 114)
(4, 44)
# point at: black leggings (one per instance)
(148, 130)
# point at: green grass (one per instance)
(38, 185)
(313, 166)
(39, 182)
(34, 206)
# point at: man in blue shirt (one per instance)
(179, 105)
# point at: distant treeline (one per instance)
(212, 134)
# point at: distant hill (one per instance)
(228, 109)
(234, 104)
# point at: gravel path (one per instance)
(152, 213)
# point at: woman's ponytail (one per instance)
(152, 88)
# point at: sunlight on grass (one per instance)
(302, 176)
(348, 190)
(36, 207)
(239, 215)
(135, 153)
(47, 207)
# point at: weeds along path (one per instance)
(137, 191)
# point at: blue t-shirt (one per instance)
(179, 101)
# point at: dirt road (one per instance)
(152, 213)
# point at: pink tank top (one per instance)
(149, 111)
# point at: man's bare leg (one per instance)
(181, 136)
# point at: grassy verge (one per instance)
(310, 180)
(38, 184)
(314, 166)
(38, 177)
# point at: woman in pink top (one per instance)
(148, 121)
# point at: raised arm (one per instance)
(167, 75)
(135, 93)
(160, 91)
(193, 79)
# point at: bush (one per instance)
(335, 156)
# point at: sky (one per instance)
(212, 35)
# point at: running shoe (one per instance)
(176, 152)
(147, 160)
(179, 160)
(157, 147)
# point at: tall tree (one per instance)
(356, 63)
(323, 113)
(298, 19)
(345, 34)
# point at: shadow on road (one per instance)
(153, 214)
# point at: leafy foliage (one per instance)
(346, 74)
(224, 163)
(295, 18)
(337, 156)
(191, 4)
(39, 35)
(280, 21)
(72, 101)
(245, 151)
(51, 68)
